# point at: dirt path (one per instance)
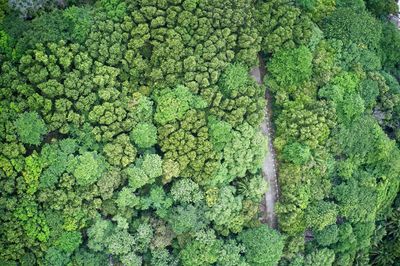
(269, 169)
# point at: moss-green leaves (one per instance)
(89, 168)
(172, 104)
(291, 66)
(144, 135)
(30, 128)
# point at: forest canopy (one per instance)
(130, 132)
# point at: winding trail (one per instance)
(269, 168)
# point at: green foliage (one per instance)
(31, 173)
(186, 191)
(115, 9)
(157, 200)
(220, 133)
(296, 153)
(185, 219)
(126, 198)
(292, 66)
(89, 168)
(350, 27)
(49, 27)
(130, 132)
(161, 257)
(30, 128)
(317, 9)
(390, 45)
(231, 254)
(3, 9)
(56, 257)
(263, 246)
(202, 250)
(5, 44)
(225, 212)
(116, 127)
(69, 241)
(244, 153)
(331, 139)
(137, 177)
(234, 79)
(80, 20)
(120, 152)
(98, 234)
(369, 92)
(327, 236)
(321, 214)
(83, 257)
(320, 257)
(173, 104)
(144, 135)
(281, 25)
(356, 5)
(379, 8)
(336, 90)
(152, 165)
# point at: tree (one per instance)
(202, 250)
(137, 177)
(350, 27)
(81, 20)
(186, 191)
(356, 203)
(161, 257)
(320, 257)
(120, 242)
(225, 212)
(277, 23)
(187, 218)
(56, 257)
(231, 254)
(98, 234)
(114, 9)
(291, 67)
(69, 241)
(243, 154)
(321, 214)
(263, 245)
(234, 79)
(84, 257)
(379, 8)
(131, 259)
(152, 165)
(89, 168)
(144, 135)
(369, 92)
(4, 9)
(157, 200)
(318, 9)
(126, 198)
(327, 236)
(120, 152)
(390, 46)
(356, 5)
(30, 128)
(220, 133)
(173, 104)
(297, 153)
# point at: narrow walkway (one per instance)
(269, 169)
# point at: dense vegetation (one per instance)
(336, 107)
(130, 132)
